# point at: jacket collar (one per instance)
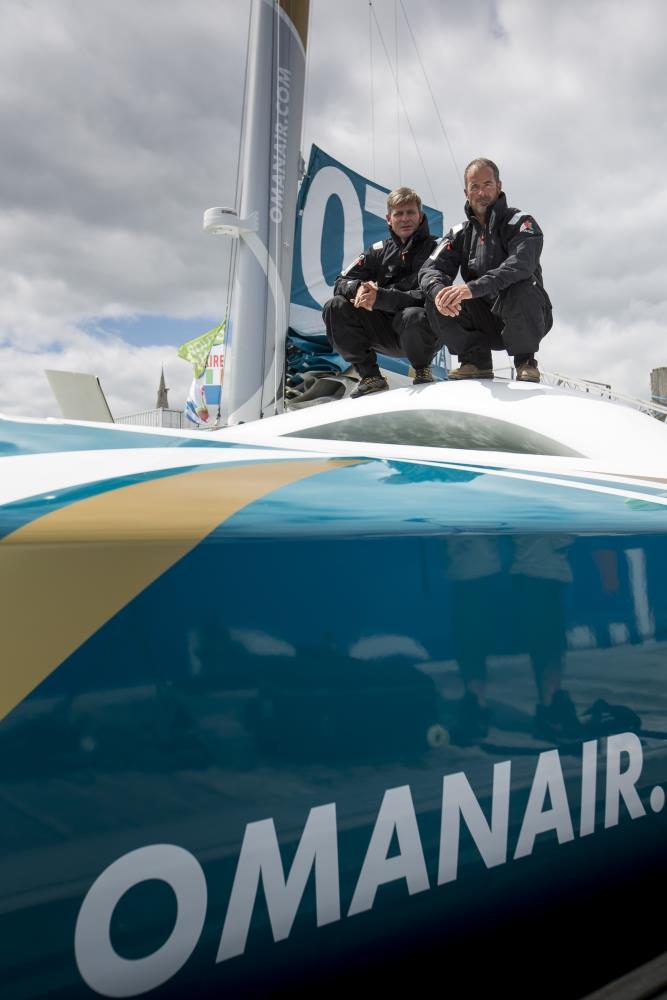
(420, 233)
(494, 212)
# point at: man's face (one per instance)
(404, 220)
(481, 189)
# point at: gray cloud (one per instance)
(120, 124)
(569, 99)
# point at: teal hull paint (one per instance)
(17, 438)
(317, 677)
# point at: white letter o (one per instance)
(328, 181)
(103, 969)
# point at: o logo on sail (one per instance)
(327, 183)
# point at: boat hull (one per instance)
(231, 758)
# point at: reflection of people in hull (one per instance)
(323, 704)
(538, 576)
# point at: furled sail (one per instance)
(270, 166)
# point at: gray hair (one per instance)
(481, 161)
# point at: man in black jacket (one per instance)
(377, 304)
(503, 303)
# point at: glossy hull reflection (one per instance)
(238, 788)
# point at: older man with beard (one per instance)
(502, 303)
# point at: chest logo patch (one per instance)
(359, 262)
(445, 244)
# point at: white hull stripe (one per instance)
(557, 481)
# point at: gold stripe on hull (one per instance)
(69, 572)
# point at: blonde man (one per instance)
(377, 304)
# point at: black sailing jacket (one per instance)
(394, 266)
(491, 257)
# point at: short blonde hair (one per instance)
(402, 196)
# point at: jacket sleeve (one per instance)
(441, 268)
(406, 293)
(524, 246)
(364, 268)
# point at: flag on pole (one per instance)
(196, 351)
(203, 403)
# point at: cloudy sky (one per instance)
(120, 125)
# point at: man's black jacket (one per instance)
(394, 266)
(491, 257)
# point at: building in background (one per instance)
(161, 416)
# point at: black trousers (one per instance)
(516, 322)
(358, 333)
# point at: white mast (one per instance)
(255, 339)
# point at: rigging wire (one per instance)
(430, 90)
(278, 237)
(370, 45)
(405, 110)
(238, 183)
(238, 193)
(398, 119)
(306, 78)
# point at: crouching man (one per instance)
(377, 303)
(503, 303)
